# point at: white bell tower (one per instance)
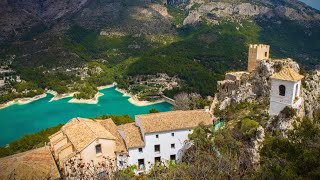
(285, 90)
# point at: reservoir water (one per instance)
(19, 120)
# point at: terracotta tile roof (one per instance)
(173, 120)
(81, 132)
(58, 132)
(132, 135)
(287, 74)
(33, 164)
(113, 129)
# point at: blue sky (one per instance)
(312, 3)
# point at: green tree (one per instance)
(153, 110)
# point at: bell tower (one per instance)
(285, 90)
(257, 52)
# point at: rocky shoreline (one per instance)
(95, 100)
(21, 101)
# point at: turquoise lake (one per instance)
(19, 120)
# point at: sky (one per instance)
(313, 3)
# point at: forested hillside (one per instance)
(196, 40)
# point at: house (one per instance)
(87, 140)
(160, 137)
(151, 138)
(285, 90)
(34, 164)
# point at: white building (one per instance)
(151, 138)
(285, 90)
(160, 136)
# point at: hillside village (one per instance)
(163, 137)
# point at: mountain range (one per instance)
(198, 40)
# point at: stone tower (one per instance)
(285, 90)
(257, 52)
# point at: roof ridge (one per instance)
(90, 129)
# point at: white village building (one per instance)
(285, 90)
(151, 138)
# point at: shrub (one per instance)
(153, 110)
(288, 112)
(249, 127)
(118, 120)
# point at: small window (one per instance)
(172, 134)
(157, 148)
(140, 150)
(121, 163)
(173, 146)
(173, 157)
(266, 54)
(98, 149)
(282, 90)
(157, 159)
(141, 164)
(157, 136)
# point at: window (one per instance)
(157, 159)
(173, 146)
(98, 149)
(172, 134)
(266, 54)
(173, 157)
(140, 150)
(157, 148)
(121, 163)
(297, 90)
(282, 90)
(157, 136)
(141, 164)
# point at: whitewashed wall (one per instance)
(277, 102)
(165, 140)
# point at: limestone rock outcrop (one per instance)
(242, 86)
(311, 93)
(235, 11)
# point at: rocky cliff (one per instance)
(220, 10)
(311, 93)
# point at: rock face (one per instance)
(257, 144)
(235, 11)
(218, 10)
(311, 93)
(20, 17)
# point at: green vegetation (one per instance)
(29, 141)
(288, 112)
(249, 127)
(153, 110)
(238, 112)
(295, 157)
(178, 15)
(13, 95)
(118, 120)
(86, 91)
(291, 39)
